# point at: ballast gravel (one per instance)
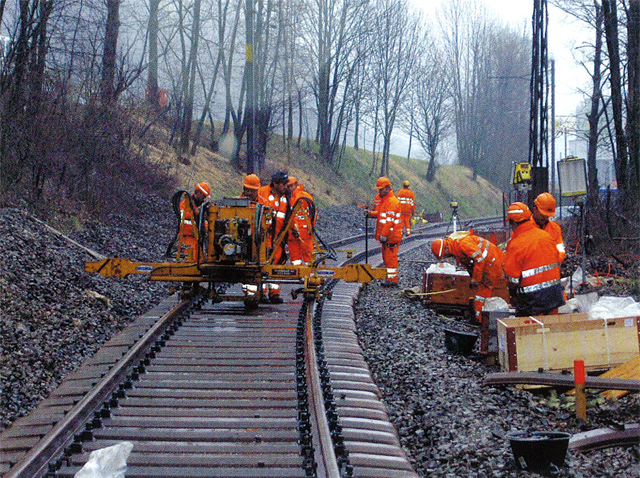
(53, 316)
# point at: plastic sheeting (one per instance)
(110, 462)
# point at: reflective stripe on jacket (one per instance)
(407, 201)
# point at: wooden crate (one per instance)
(451, 290)
(553, 342)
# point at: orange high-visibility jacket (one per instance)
(268, 197)
(302, 219)
(188, 224)
(555, 231)
(389, 222)
(407, 201)
(532, 266)
(478, 255)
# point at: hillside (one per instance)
(351, 184)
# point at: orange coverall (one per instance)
(484, 261)
(301, 247)
(407, 207)
(389, 224)
(188, 228)
(532, 267)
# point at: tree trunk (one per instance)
(153, 95)
(611, 34)
(594, 115)
(633, 112)
(110, 51)
(187, 117)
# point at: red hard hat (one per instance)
(203, 187)
(383, 182)
(251, 181)
(518, 212)
(437, 247)
(546, 204)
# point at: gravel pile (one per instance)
(51, 320)
(449, 424)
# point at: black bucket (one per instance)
(459, 342)
(540, 452)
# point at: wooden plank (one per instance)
(630, 370)
(553, 342)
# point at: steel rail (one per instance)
(60, 436)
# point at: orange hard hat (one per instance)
(383, 182)
(204, 188)
(546, 204)
(518, 212)
(292, 180)
(251, 181)
(437, 247)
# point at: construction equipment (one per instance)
(234, 248)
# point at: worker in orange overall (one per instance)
(407, 205)
(301, 237)
(388, 228)
(189, 220)
(482, 259)
(545, 208)
(274, 196)
(531, 265)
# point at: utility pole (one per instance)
(539, 86)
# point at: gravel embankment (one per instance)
(449, 424)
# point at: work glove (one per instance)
(383, 239)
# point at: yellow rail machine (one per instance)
(234, 247)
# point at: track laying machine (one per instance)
(236, 244)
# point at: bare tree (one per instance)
(396, 54)
(430, 111)
(109, 60)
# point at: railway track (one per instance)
(206, 390)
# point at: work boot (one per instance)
(276, 299)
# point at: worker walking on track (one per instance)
(545, 208)
(407, 206)
(482, 259)
(301, 236)
(189, 209)
(388, 227)
(531, 265)
(274, 196)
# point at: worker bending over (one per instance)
(189, 220)
(482, 259)
(545, 208)
(407, 206)
(388, 227)
(531, 265)
(301, 233)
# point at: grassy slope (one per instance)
(351, 184)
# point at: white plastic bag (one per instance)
(444, 268)
(609, 307)
(110, 462)
(495, 304)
